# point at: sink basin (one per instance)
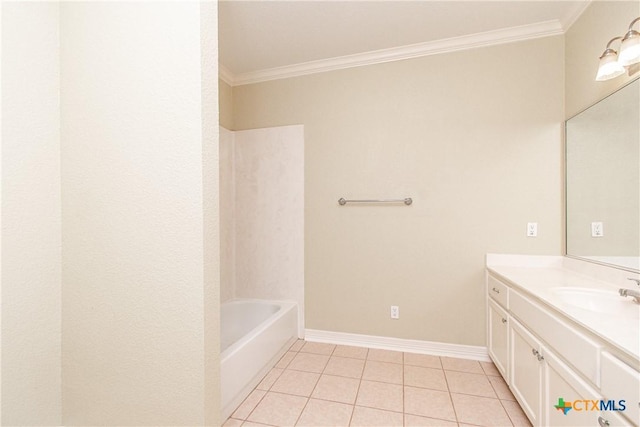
(596, 300)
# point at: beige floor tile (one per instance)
(515, 413)
(379, 395)
(269, 379)
(232, 422)
(369, 417)
(416, 421)
(297, 345)
(299, 383)
(462, 365)
(309, 362)
(501, 388)
(490, 369)
(481, 411)
(318, 348)
(278, 409)
(337, 389)
(350, 351)
(245, 408)
(319, 413)
(384, 355)
(286, 359)
(418, 376)
(424, 360)
(428, 403)
(251, 424)
(466, 383)
(383, 371)
(345, 367)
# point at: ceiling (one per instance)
(262, 35)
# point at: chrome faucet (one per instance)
(631, 292)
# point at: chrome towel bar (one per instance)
(342, 201)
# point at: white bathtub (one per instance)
(254, 334)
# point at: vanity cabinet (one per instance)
(560, 381)
(544, 358)
(525, 361)
(498, 338)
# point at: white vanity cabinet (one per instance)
(544, 357)
(498, 337)
(560, 381)
(525, 361)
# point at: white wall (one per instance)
(475, 137)
(139, 298)
(211, 204)
(31, 301)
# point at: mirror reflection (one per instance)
(603, 180)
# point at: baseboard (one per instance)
(398, 344)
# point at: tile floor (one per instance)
(317, 384)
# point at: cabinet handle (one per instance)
(537, 354)
(504, 320)
(497, 291)
(603, 422)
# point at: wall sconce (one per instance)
(613, 64)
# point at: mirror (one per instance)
(603, 180)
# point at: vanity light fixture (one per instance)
(630, 47)
(609, 67)
(613, 64)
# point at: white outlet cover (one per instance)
(532, 229)
(597, 229)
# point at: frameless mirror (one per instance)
(603, 180)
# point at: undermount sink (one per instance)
(596, 300)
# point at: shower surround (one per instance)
(262, 215)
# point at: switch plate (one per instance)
(532, 229)
(597, 229)
(395, 312)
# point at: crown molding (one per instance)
(225, 75)
(454, 44)
(571, 18)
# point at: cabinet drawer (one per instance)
(579, 350)
(498, 291)
(621, 382)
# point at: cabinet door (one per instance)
(498, 337)
(526, 370)
(563, 386)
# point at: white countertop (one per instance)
(537, 276)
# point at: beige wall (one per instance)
(139, 214)
(31, 352)
(585, 42)
(474, 137)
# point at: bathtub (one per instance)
(254, 334)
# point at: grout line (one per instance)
(446, 381)
(315, 385)
(403, 385)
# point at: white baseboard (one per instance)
(398, 344)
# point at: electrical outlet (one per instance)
(395, 312)
(597, 229)
(532, 229)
